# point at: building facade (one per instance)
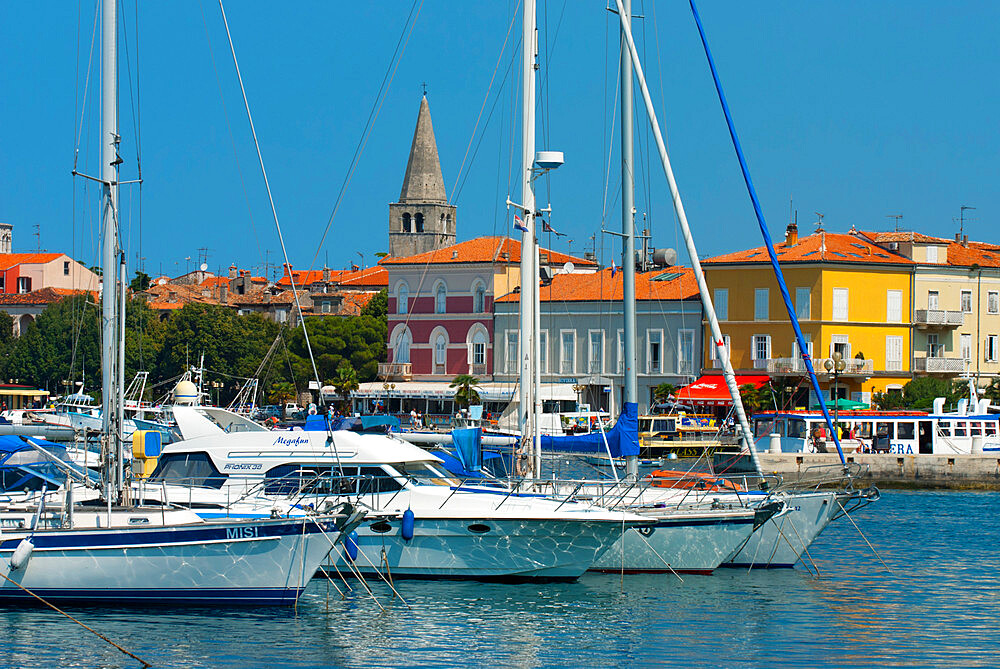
(850, 295)
(582, 336)
(440, 313)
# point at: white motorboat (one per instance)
(456, 530)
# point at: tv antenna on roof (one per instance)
(819, 221)
(961, 219)
(898, 218)
(38, 237)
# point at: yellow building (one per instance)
(849, 294)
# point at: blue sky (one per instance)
(857, 110)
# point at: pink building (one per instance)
(441, 307)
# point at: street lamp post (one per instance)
(835, 365)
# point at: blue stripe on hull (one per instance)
(759, 565)
(158, 596)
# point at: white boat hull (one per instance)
(265, 562)
(679, 543)
(783, 539)
(511, 549)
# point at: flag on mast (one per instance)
(519, 224)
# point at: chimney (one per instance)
(791, 235)
(965, 240)
(223, 293)
(232, 271)
(958, 236)
(326, 273)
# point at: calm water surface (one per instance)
(939, 607)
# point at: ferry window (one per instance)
(884, 430)
(960, 429)
(779, 427)
(990, 429)
(905, 430)
(863, 430)
(194, 469)
(661, 425)
(763, 427)
(944, 429)
(975, 429)
(796, 428)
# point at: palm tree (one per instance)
(662, 393)
(345, 381)
(466, 390)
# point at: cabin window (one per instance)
(990, 429)
(961, 429)
(905, 430)
(763, 427)
(884, 430)
(796, 428)
(423, 473)
(863, 430)
(944, 429)
(975, 429)
(374, 480)
(195, 469)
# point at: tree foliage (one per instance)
(344, 382)
(466, 390)
(359, 341)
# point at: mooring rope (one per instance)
(89, 629)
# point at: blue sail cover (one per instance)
(468, 443)
(623, 438)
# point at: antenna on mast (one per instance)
(898, 217)
(961, 220)
(819, 221)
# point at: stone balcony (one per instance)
(936, 318)
(395, 371)
(936, 365)
(796, 366)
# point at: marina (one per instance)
(486, 446)
(934, 609)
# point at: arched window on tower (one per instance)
(419, 218)
(406, 222)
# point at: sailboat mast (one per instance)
(706, 299)
(631, 393)
(109, 260)
(527, 390)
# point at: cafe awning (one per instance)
(711, 389)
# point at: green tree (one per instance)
(466, 390)
(281, 392)
(357, 340)
(921, 392)
(344, 382)
(140, 282)
(754, 399)
(662, 393)
(992, 391)
(378, 306)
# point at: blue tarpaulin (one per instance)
(623, 438)
(468, 443)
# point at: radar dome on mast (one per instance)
(185, 393)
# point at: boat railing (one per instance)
(827, 476)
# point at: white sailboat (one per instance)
(126, 554)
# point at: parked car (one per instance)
(269, 411)
(292, 409)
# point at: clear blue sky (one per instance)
(855, 109)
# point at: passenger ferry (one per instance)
(900, 432)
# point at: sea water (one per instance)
(939, 606)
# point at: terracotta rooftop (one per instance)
(672, 283)
(906, 236)
(377, 277)
(215, 282)
(817, 247)
(354, 302)
(40, 296)
(483, 250)
(973, 253)
(8, 260)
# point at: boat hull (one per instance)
(693, 545)
(782, 540)
(510, 550)
(265, 562)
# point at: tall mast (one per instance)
(109, 260)
(628, 228)
(527, 390)
(706, 299)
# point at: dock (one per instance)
(959, 472)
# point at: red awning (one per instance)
(711, 388)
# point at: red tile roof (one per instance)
(354, 302)
(672, 283)
(215, 282)
(817, 247)
(483, 250)
(369, 276)
(906, 236)
(41, 296)
(8, 260)
(973, 253)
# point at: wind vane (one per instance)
(424, 84)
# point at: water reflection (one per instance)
(939, 607)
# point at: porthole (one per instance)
(479, 528)
(381, 527)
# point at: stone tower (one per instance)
(422, 220)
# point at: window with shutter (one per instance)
(894, 306)
(840, 304)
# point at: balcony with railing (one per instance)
(795, 366)
(937, 318)
(395, 371)
(938, 365)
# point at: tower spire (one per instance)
(423, 181)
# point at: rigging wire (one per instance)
(380, 97)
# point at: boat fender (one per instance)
(407, 528)
(21, 554)
(351, 546)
